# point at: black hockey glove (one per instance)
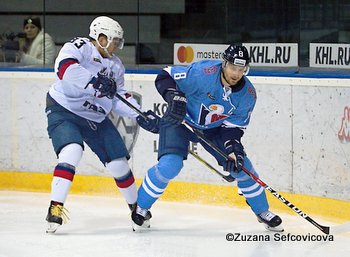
(176, 111)
(105, 85)
(235, 151)
(151, 124)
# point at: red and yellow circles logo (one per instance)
(185, 54)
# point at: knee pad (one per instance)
(71, 154)
(118, 167)
(170, 165)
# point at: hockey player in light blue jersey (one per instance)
(217, 98)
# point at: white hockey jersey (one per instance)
(77, 63)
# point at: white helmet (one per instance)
(108, 27)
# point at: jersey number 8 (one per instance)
(181, 75)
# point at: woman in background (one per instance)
(38, 47)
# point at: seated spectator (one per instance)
(37, 47)
(9, 46)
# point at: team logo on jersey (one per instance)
(92, 107)
(211, 114)
(127, 127)
(344, 132)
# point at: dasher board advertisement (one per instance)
(329, 55)
(261, 54)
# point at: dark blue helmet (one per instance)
(237, 55)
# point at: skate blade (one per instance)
(278, 228)
(145, 226)
(52, 227)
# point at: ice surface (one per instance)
(101, 226)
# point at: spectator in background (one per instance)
(37, 47)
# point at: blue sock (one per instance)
(157, 179)
(255, 195)
(252, 191)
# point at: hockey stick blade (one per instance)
(324, 229)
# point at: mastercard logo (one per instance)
(185, 54)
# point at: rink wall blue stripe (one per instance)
(331, 209)
(337, 73)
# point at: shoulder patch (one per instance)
(210, 70)
(252, 92)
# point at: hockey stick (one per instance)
(131, 106)
(226, 177)
(324, 229)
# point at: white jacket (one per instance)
(35, 55)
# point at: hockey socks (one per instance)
(127, 187)
(254, 194)
(153, 186)
(63, 176)
(124, 178)
(157, 179)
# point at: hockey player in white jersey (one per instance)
(217, 99)
(88, 75)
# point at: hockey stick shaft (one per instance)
(324, 229)
(227, 177)
(138, 111)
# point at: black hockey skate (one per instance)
(132, 206)
(56, 215)
(140, 219)
(271, 221)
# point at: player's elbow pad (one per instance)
(164, 82)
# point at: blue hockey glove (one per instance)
(235, 151)
(151, 124)
(105, 85)
(176, 111)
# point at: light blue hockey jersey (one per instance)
(209, 105)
